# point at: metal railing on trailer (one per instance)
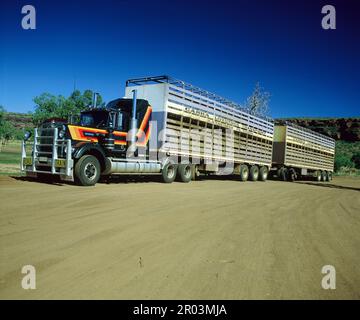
(309, 135)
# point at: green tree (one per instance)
(7, 130)
(343, 161)
(51, 106)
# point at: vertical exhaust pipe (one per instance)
(133, 125)
(95, 97)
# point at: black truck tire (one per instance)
(184, 172)
(254, 173)
(169, 172)
(263, 173)
(87, 170)
(283, 174)
(291, 174)
(328, 176)
(323, 176)
(244, 172)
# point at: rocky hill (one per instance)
(346, 129)
(19, 120)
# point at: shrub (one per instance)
(356, 160)
(342, 160)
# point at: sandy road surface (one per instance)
(212, 239)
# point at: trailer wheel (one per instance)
(87, 170)
(263, 173)
(323, 176)
(291, 175)
(328, 176)
(184, 172)
(254, 173)
(169, 172)
(283, 174)
(244, 172)
(318, 176)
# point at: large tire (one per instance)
(169, 172)
(283, 174)
(317, 176)
(244, 172)
(87, 170)
(291, 175)
(263, 173)
(323, 176)
(184, 172)
(254, 173)
(328, 176)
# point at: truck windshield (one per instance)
(94, 119)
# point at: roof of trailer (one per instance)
(191, 88)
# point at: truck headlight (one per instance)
(61, 134)
(62, 131)
(27, 135)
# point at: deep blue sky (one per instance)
(222, 46)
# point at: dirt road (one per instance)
(211, 239)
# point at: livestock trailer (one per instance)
(213, 134)
(300, 152)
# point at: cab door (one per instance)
(121, 128)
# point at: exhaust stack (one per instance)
(133, 125)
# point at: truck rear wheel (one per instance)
(169, 172)
(263, 173)
(184, 172)
(87, 170)
(254, 173)
(244, 172)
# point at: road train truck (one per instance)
(166, 127)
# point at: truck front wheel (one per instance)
(87, 170)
